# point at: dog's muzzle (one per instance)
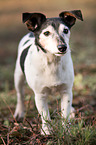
(62, 48)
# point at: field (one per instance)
(82, 130)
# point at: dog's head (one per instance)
(52, 34)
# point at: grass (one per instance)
(80, 131)
(72, 134)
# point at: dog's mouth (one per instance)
(61, 53)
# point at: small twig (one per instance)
(40, 126)
(8, 137)
(84, 117)
(2, 140)
(29, 125)
(53, 112)
(57, 107)
(9, 109)
(27, 108)
(86, 106)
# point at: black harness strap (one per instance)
(39, 45)
(41, 48)
(23, 56)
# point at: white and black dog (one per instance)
(44, 59)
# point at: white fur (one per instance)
(45, 73)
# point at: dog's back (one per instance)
(26, 41)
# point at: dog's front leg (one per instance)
(66, 104)
(42, 106)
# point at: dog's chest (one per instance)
(45, 72)
(43, 69)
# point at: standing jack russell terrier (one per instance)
(44, 59)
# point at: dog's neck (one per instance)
(49, 57)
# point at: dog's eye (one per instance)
(65, 31)
(47, 33)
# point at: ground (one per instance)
(83, 48)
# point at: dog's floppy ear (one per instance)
(69, 17)
(33, 20)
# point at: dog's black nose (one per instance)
(62, 48)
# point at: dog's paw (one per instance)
(72, 113)
(45, 130)
(19, 116)
(19, 112)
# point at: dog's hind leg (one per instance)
(19, 86)
(42, 106)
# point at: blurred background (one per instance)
(82, 43)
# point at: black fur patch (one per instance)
(38, 44)
(26, 42)
(22, 58)
(31, 35)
